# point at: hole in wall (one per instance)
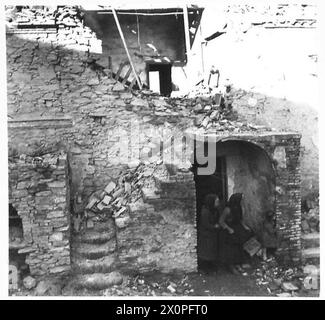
(16, 237)
(159, 78)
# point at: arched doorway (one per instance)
(240, 166)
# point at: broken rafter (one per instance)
(154, 12)
(125, 47)
(187, 33)
(145, 14)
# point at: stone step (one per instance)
(310, 240)
(94, 251)
(98, 281)
(95, 237)
(101, 265)
(311, 253)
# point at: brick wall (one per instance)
(283, 152)
(40, 194)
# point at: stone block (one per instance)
(110, 187)
(29, 282)
(57, 236)
(93, 82)
(55, 214)
(118, 87)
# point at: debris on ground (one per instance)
(280, 280)
(29, 282)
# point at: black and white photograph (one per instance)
(161, 149)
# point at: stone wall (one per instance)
(39, 191)
(161, 233)
(59, 98)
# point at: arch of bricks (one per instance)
(283, 150)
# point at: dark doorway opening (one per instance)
(15, 224)
(160, 78)
(16, 236)
(215, 183)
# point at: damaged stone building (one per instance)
(102, 167)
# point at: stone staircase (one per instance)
(311, 250)
(94, 256)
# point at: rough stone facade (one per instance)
(163, 229)
(61, 100)
(39, 191)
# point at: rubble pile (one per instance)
(284, 281)
(204, 109)
(209, 112)
(144, 286)
(118, 197)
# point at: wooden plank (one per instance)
(127, 75)
(118, 73)
(132, 83)
(110, 67)
(125, 47)
(187, 33)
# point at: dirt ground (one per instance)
(261, 279)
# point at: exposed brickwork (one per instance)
(40, 194)
(287, 181)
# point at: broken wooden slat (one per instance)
(118, 73)
(132, 83)
(127, 75)
(187, 33)
(110, 67)
(125, 47)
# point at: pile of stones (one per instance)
(118, 197)
(208, 112)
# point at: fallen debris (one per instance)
(289, 287)
(29, 282)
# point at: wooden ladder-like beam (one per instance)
(127, 75)
(187, 33)
(119, 71)
(125, 47)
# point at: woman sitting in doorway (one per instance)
(208, 233)
(234, 233)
